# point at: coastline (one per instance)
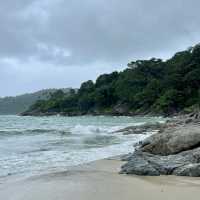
(54, 143)
(100, 180)
(95, 113)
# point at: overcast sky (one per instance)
(60, 43)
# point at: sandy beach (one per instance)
(99, 180)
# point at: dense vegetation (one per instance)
(146, 86)
(18, 104)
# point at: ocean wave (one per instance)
(90, 129)
(36, 150)
(32, 145)
(100, 141)
(7, 133)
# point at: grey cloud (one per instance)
(88, 33)
(115, 31)
(104, 31)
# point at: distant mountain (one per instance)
(18, 104)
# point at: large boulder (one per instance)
(173, 141)
(174, 150)
(186, 163)
(140, 166)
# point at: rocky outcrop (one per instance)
(183, 164)
(142, 129)
(173, 141)
(173, 151)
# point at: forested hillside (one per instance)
(145, 87)
(18, 104)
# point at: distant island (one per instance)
(21, 103)
(151, 86)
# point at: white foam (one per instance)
(90, 138)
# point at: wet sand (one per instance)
(99, 181)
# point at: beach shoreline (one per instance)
(99, 180)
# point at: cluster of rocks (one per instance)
(143, 129)
(174, 150)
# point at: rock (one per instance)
(188, 170)
(173, 141)
(126, 157)
(121, 109)
(174, 150)
(182, 164)
(139, 166)
(142, 129)
(189, 120)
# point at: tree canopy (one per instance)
(146, 86)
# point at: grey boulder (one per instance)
(174, 141)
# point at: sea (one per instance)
(35, 145)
